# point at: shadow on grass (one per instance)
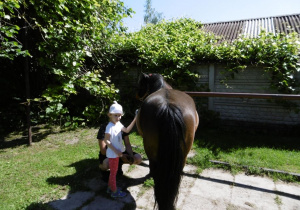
(39, 133)
(21, 138)
(87, 187)
(228, 139)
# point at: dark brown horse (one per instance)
(167, 121)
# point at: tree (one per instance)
(151, 16)
(61, 36)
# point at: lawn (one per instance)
(254, 150)
(55, 164)
(60, 161)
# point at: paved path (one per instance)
(212, 189)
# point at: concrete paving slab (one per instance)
(196, 202)
(217, 175)
(136, 171)
(145, 199)
(134, 191)
(288, 195)
(72, 201)
(187, 182)
(253, 192)
(212, 189)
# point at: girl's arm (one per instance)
(128, 146)
(128, 129)
(109, 144)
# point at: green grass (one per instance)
(254, 150)
(149, 183)
(60, 161)
(47, 170)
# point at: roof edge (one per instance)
(230, 21)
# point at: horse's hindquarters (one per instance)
(167, 121)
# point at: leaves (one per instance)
(10, 46)
(70, 43)
(171, 48)
(61, 36)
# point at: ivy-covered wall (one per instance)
(253, 79)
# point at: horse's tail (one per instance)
(171, 149)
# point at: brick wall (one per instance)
(250, 80)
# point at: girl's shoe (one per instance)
(118, 194)
(108, 191)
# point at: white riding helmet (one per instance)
(116, 108)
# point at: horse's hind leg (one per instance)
(152, 166)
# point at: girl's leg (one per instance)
(113, 165)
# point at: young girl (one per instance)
(115, 147)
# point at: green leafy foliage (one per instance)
(68, 88)
(171, 48)
(10, 45)
(74, 46)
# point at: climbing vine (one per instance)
(172, 48)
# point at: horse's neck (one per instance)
(159, 86)
(167, 86)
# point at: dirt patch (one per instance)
(72, 141)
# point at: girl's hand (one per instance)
(120, 154)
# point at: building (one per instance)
(253, 79)
(230, 30)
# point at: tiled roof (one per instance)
(252, 27)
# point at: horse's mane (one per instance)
(150, 83)
(155, 82)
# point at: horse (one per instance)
(167, 121)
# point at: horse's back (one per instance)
(172, 96)
(166, 97)
(162, 97)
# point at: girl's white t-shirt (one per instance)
(115, 131)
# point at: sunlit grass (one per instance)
(265, 157)
(254, 151)
(25, 171)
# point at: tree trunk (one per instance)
(27, 84)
